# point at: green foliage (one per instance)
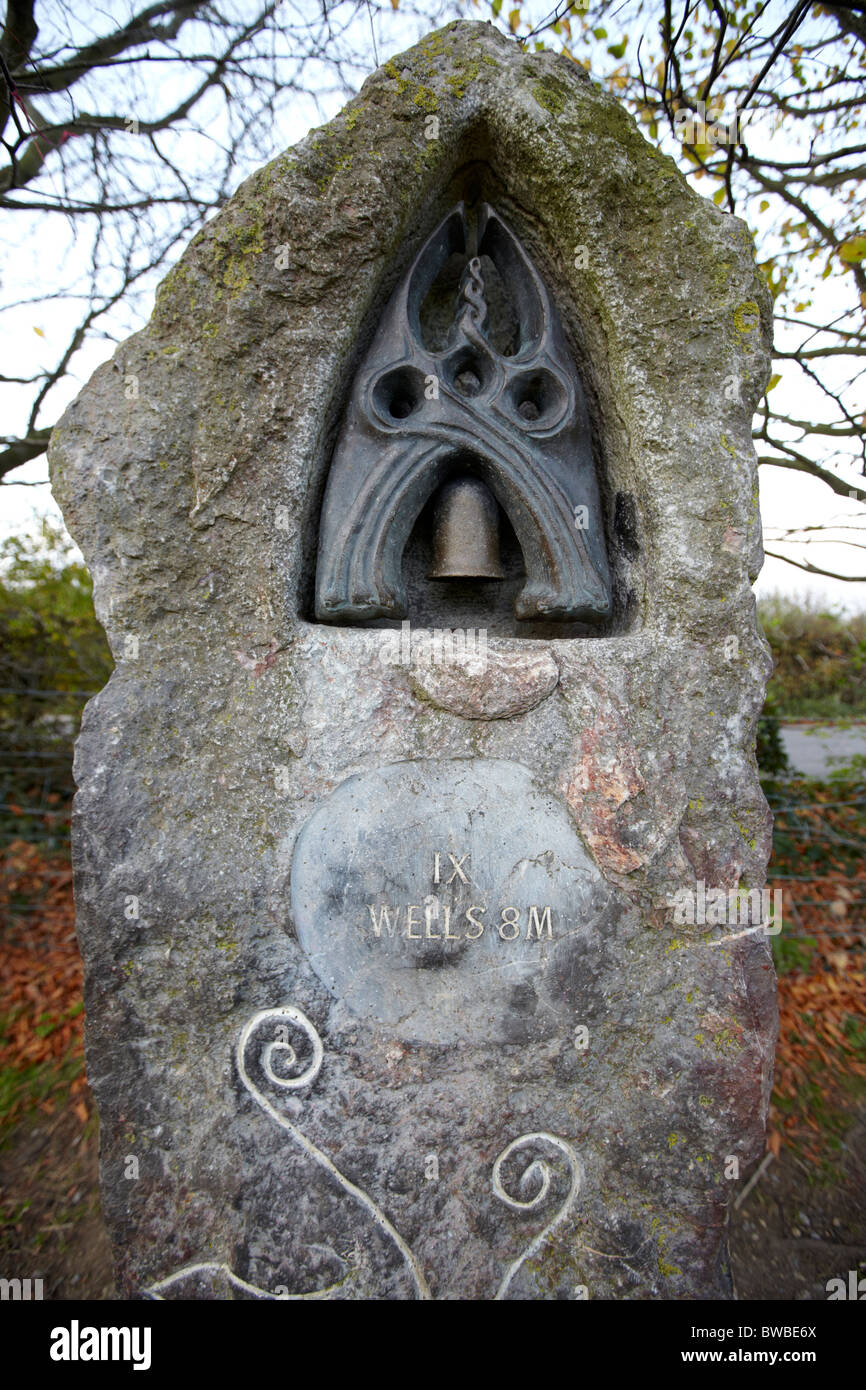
(851, 770)
(793, 954)
(855, 1031)
(32, 1084)
(53, 653)
(772, 758)
(49, 637)
(819, 659)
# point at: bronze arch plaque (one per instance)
(517, 421)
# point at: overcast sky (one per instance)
(37, 333)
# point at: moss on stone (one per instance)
(549, 94)
(396, 76)
(423, 70)
(234, 243)
(663, 1237)
(426, 98)
(748, 836)
(434, 44)
(747, 316)
(560, 1263)
(459, 81)
(727, 1043)
(174, 296)
(427, 157)
(721, 277)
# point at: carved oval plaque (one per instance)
(447, 899)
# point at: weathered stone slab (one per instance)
(497, 685)
(289, 1106)
(449, 900)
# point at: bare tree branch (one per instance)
(20, 451)
(816, 569)
(129, 164)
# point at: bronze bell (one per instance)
(466, 532)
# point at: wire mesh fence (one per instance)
(818, 860)
(36, 783)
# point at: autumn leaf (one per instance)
(853, 251)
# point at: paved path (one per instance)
(812, 748)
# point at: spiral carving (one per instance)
(537, 1172)
(473, 291)
(284, 1016)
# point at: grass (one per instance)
(23, 1089)
(819, 656)
(794, 954)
